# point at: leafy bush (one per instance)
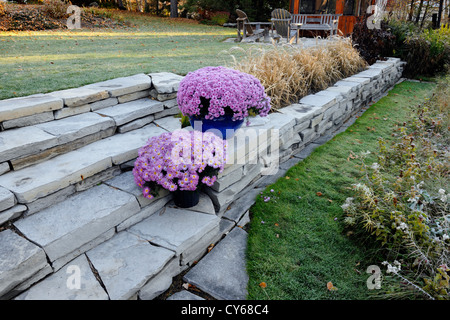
(220, 17)
(373, 44)
(428, 52)
(403, 202)
(56, 8)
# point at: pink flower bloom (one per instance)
(218, 89)
(157, 166)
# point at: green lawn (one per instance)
(297, 243)
(45, 61)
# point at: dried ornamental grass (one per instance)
(289, 73)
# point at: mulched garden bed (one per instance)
(19, 17)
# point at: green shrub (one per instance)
(220, 17)
(403, 204)
(428, 52)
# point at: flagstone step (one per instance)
(43, 179)
(126, 262)
(64, 228)
(63, 284)
(20, 261)
(222, 272)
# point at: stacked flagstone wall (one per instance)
(68, 199)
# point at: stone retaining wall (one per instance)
(67, 191)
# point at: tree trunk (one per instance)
(174, 8)
(441, 8)
(411, 11)
(425, 14)
(419, 11)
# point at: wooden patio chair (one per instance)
(281, 20)
(245, 27)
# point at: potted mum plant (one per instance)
(181, 162)
(221, 98)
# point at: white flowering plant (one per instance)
(403, 201)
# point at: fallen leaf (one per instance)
(288, 177)
(210, 247)
(263, 285)
(330, 286)
(277, 225)
(319, 194)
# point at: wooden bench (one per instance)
(323, 22)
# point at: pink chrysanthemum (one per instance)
(212, 91)
(179, 161)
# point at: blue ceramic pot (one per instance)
(224, 126)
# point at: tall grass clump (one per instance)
(403, 202)
(289, 73)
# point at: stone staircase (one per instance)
(69, 203)
(74, 225)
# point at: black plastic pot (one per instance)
(186, 199)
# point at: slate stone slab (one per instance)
(136, 124)
(126, 262)
(301, 112)
(122, 147)
(175, 229)
(7, 199)
(68, 225)
(184, 295)
(28, 120)
(222, 272)
(321, 101)
(222, 199)
(4, 167)
(161, 282)
(169, 123)
(80, 96)
(126, 112)
(40, 180)
(123, 85)
(12, 213)
(27, 106)
(19, 260)
(75, 127)
(125, 182)
(235, 211)
(16, 143)
(165, 82)
(62, 285)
